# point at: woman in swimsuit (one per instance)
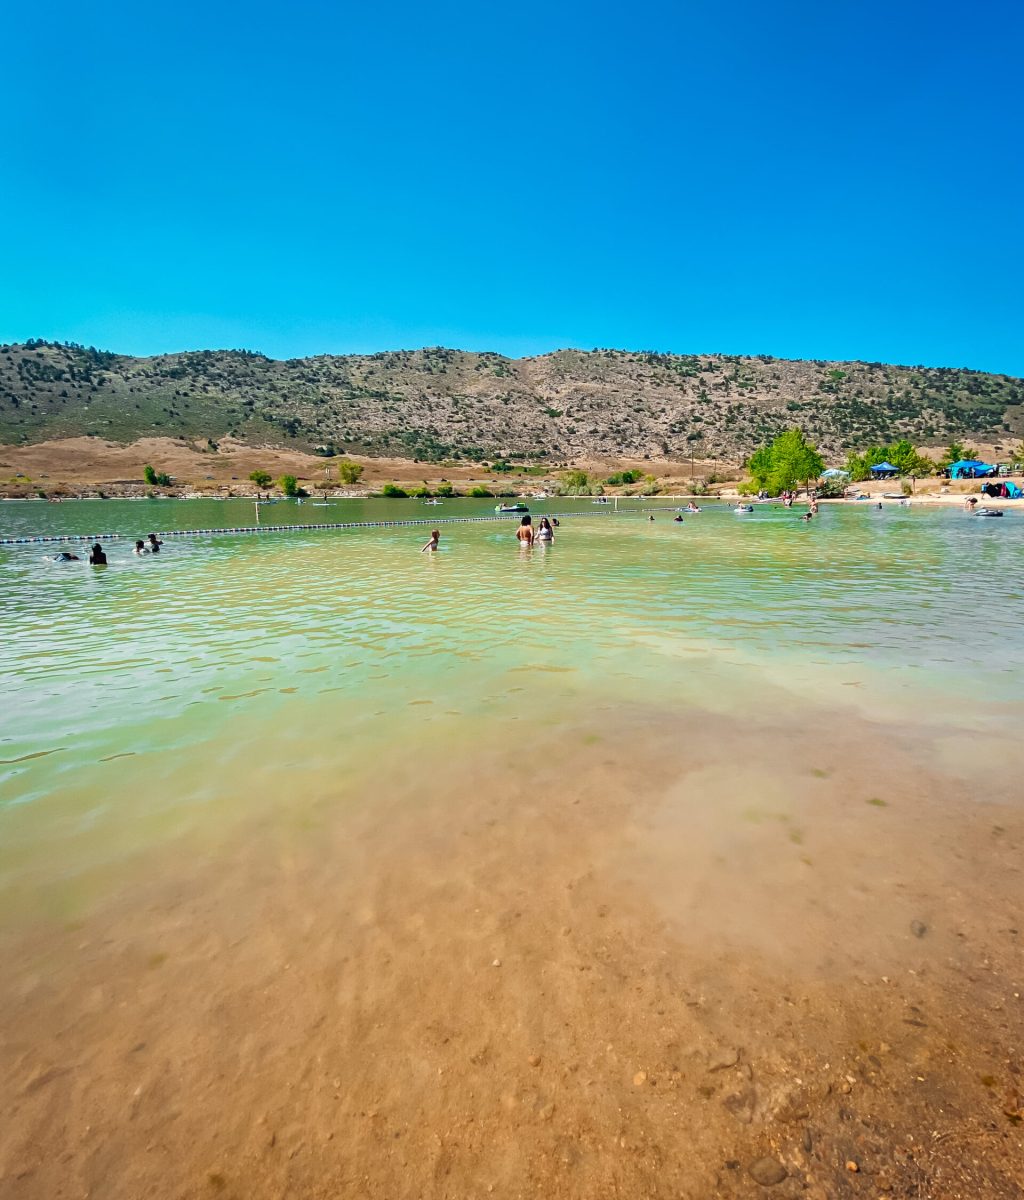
(435, 537)
(524, 534)
(545, 533)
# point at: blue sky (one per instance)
(827, 180)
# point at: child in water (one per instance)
(435, 537)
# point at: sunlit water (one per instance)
(239, 673)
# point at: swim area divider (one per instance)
(173, 533)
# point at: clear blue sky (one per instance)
(826, 179)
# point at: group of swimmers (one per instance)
(526, 534)
(544, 534)
(98, 557)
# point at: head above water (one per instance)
(545, 523)
(526, 521)
(435, 534)
(140, 545)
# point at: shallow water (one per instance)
(328, 867)
(238, 674)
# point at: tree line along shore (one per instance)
(82, 468)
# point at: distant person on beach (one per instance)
(435, 537)
(154, 544)
(969, 503)
(524, 534)
(140, 548)
(96, 556)
(545, 533)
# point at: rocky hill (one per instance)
(435, 404)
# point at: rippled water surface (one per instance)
(237, 673)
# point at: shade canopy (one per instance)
(885, 468)
(970, 467)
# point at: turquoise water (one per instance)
(247, 674)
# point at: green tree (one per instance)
(955, 451)
(445, 489)
(788, 460)
(393, 491)
(901, 454)
(261, 479)
(156, 478)
(289, 485)
(349, 472)
(576, 482)
(904, 457)
(479, 492)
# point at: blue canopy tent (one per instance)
(884, 470)
(971, 468)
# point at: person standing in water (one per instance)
(96, 556)
(140, 548)
(435, 537)
(524, 534)
(545, 533)
(154, 544)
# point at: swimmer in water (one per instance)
(66, 556)
(524, 534)
(651, 517)
(140, 548)
(545, 533)
(808, 516)
(678, 518)
(96, 556)
(154, 544)
(435, 537)
(691, 507)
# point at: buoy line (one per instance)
(172, 533)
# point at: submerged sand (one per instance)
(664, 960)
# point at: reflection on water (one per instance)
(240, 673)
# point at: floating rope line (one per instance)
(173, 533)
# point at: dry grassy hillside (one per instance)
(437, 404)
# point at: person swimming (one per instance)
(140, 548)
(96, 556)
(678, 518)
(807, 516)
(524, 534)
(65, 556)
(435, 537)
(691, 507)
(154, 544)
(545, 533)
